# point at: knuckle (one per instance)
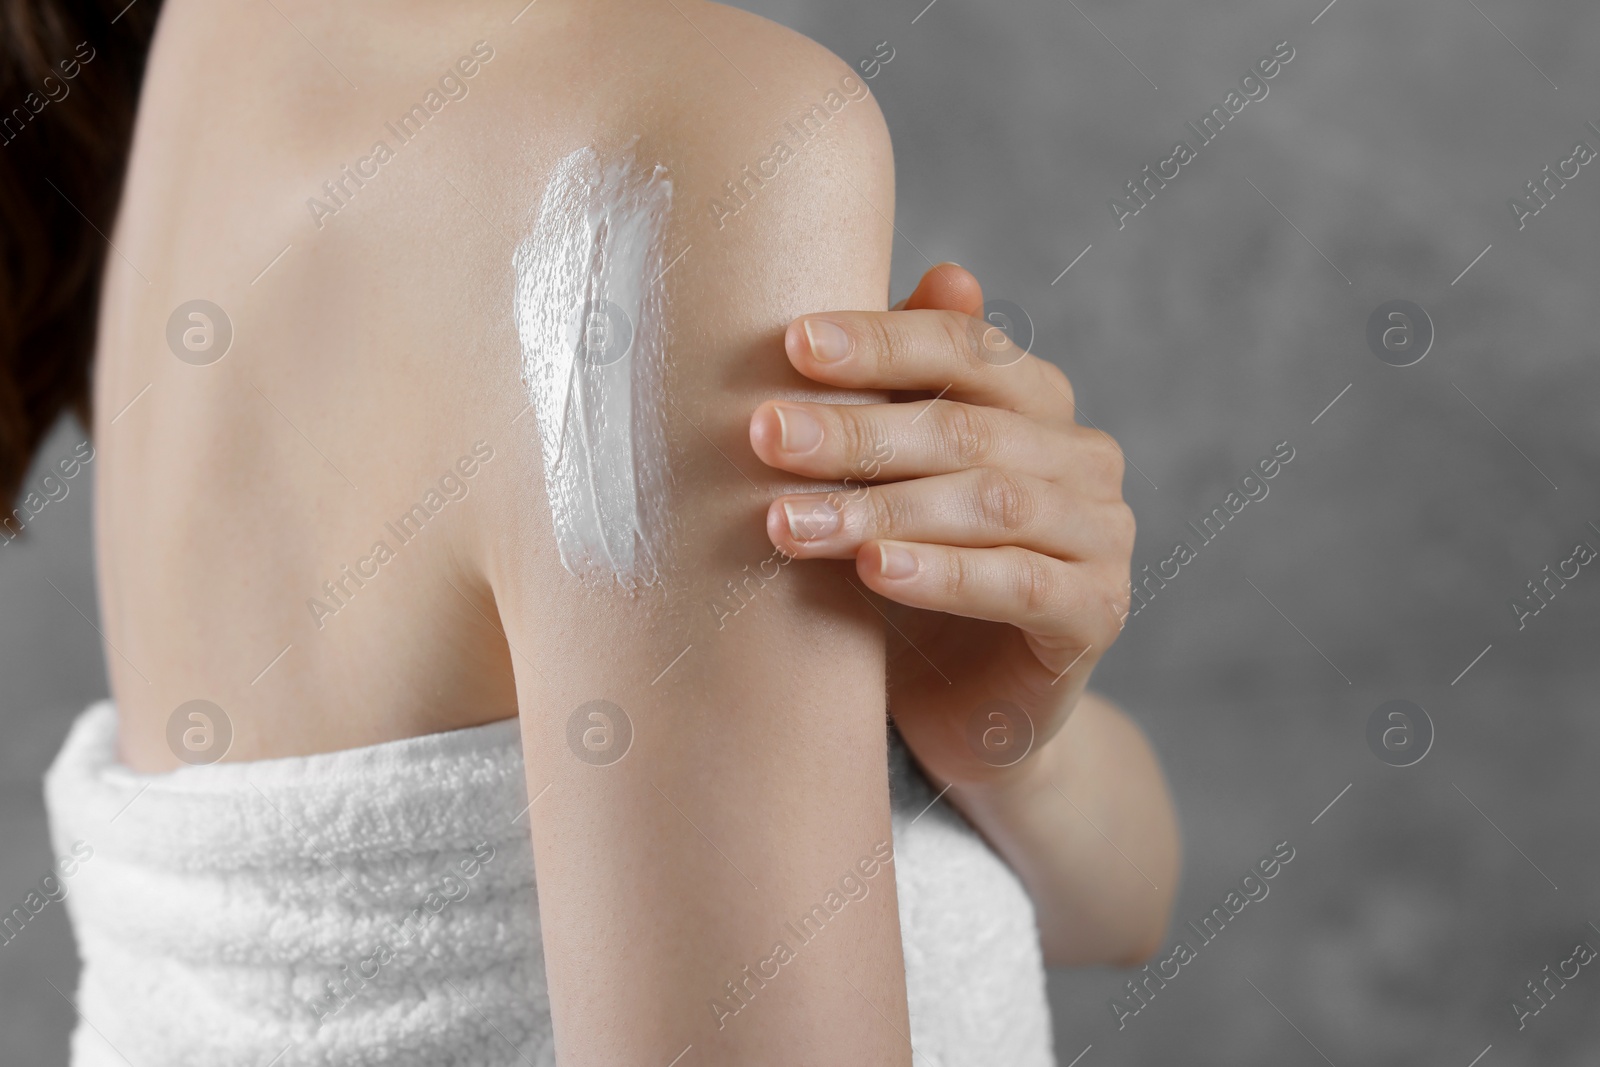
(963, 337)
(1107, 625)
(887, 512)
(1127, 525)
(968, 435)
(958, 576)
(1003, 502)
(1057, 378)
(992, 344)
(855, 440)
(1034, 585)
(888, 347)
(1109, 462)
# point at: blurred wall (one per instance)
(1219, 321)
(1223, 319)
(50, 668)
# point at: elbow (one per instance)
(1145, 934)
(1130, 937)
(1146, 929)
(1128, 948)
(1141, 948)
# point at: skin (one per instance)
(376, 355)
(377, 352)
(998, 523)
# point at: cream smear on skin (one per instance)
(590, 319)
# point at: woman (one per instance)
(457, 383)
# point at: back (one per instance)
(308, 339)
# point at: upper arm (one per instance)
(676, 860)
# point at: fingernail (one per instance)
(829, 343)
(895, 562)
(811, 521)
(798, 432)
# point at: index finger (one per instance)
(944, 352)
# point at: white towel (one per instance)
(377, 906)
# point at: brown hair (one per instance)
(70, 72)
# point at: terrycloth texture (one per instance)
(377, 906)
(974, 971)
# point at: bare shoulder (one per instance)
(763, 168)
(753, 72)
(790, 108)
(734, 103)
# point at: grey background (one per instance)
(1201, 335)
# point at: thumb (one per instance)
(946, 287)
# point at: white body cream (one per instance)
(590, 319)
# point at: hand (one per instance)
(974, 502)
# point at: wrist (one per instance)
(1017, 787)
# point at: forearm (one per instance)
(1087, 823)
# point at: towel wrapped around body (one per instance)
(377, 906)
